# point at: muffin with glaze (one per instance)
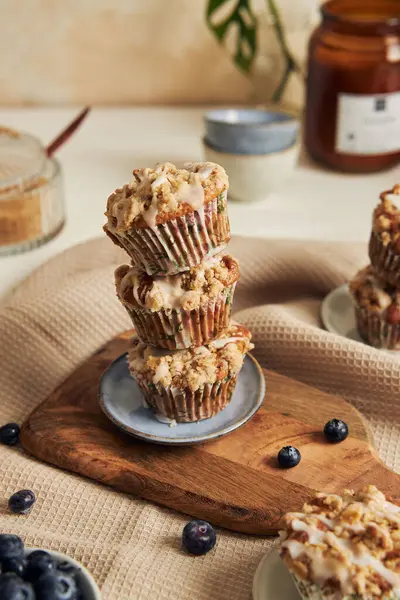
(344, 548)
(182, 310)
(384, 244)
(193, 384)
(377, 308)
(169, 219)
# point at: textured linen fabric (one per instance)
(66, 309)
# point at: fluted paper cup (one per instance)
(376, 331)
(185, 406)
(385, 260)
(178, 329)
(181, 243)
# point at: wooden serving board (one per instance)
(233, 482)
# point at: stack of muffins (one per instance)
(376, 288)
(178, 288)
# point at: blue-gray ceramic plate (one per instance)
(122, 402)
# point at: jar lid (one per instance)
(22, 160)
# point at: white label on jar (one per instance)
(368, 124)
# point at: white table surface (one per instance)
(314, 204)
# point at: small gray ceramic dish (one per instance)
(87, 584)
(122, 402)
(272, 580)
(250, 131)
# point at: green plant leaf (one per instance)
(246, 24)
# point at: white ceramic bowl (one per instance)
(86, 582)
(252, 177)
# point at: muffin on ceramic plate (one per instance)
(377, 308)
(169, 219)
(344, 548)
(193, 384)
(384, 244)
(182, 310)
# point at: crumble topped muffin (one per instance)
(169, 219)
(377, 309)
(182, 310)
(156, 194)
(375, 295)
(345, 547)
(186, 290)
(193, 384)
(384, 243)
(386, 221)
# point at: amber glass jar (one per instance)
(353, 88)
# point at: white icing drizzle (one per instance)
(203, 169)
(165, 420)
(191, 193)
(162, 371)
(325, 566)
(220, 343)
(170, 286)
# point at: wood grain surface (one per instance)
(233, 482)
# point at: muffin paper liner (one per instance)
(179, 329)
(385, 260)
(185, 406)
(376, 331)
(180, 243)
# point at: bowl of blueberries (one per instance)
(34, 574)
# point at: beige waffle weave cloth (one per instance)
(66, 309)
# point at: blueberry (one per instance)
(336, 431)
(21, 502)
(9, 434)
(14, 565)
(39, 563)
(288, 457)
(56, 586)
(13, 588)
(198, 537)
(68, 568)
(11, 546)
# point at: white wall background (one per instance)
(62, 52)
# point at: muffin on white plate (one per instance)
(193, 384)
(377, 309)
(182, 310)
(344, 547)
(169, 219)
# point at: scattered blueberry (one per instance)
(21, 502)
(14, 565)
(336, 431)
(13, 588)
(68, 568)
(9, 434)
(56, 586)
(39, 563)
(11, 546)
(198, 537)
(288, 457)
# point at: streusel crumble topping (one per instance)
(386, 221)
(348, 544)
(187, 290)
(163, 191)
(194, 367)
